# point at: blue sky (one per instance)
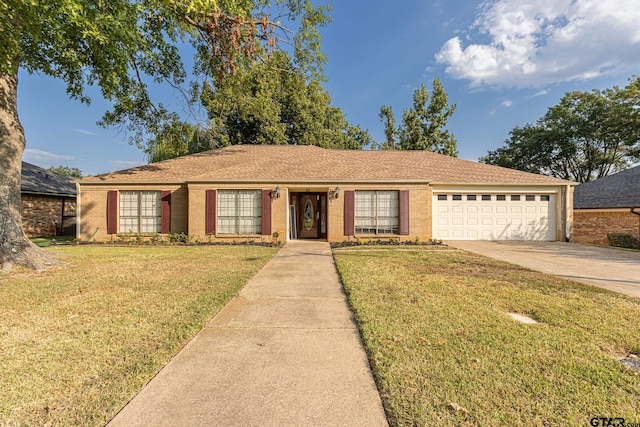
(503, 62)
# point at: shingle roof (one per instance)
(620, 190)
(309, 163)
(42, 181)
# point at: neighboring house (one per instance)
(607, 205)
(48, 202)
(261, 192)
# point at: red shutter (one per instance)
(165, 227)
(404, 212)
(210, 212)
(266, 212)
(112, 212)
(349, 213)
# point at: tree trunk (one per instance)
(15, 247)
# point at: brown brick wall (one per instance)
(42, 215)
(93, 207)
(592, 226)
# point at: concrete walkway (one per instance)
(284, 352)
(609, 268)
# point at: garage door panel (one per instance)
(516, 218)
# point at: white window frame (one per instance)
(140, 212)
(377, 212)
(239, 212)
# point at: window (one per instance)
(544, 198)
(530, 198)
(239, 212)
(376, 212)
(457, 197)
(471, 197)
(442, 197)
(140, 212)
(515, 198)
(486, 197)
(501, 197)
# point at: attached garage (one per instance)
(494, 216)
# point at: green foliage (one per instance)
(125, 46)
(66, 171)
(423, 125)
(271, 102)
(622, 240)
(180, 238)
(586, 136)
(386, 115)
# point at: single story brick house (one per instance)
(607, 205)
(48, 202)
(261, 192)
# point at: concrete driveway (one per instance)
(608, 268)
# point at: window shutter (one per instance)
(112, 212)
(404, 212)
(349, 213)
(210, 212)
(266, 212)
(165, 227)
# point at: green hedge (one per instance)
(622, 240)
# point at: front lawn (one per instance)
(445, 352)
(77, 343)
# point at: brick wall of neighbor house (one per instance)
(592, 225)
(93, 207)
(42, 215)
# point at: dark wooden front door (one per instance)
(312, 215)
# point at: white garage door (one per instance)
(466, 216)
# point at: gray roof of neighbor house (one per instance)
(36, 180)
(620, 190)
(286, 163)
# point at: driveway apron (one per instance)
(614, 269)
(285, 351)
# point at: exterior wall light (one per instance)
(334, 194)
(275, 193)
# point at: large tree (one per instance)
(270, 102)
(122, 46)
(586, 136)
(423, 126)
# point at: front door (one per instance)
(312, 215)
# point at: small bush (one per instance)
(622, 240)
(180, 238)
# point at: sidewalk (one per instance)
(284, 352)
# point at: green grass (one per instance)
(78, 342)
(47, 240)
(435, 326)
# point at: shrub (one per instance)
(180, 238)
(622, 240)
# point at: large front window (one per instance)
(376, 212)
(239, 212)
(140, 212)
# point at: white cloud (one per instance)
(539, 42)
(44, 159)
(507, 103)
(85, 132)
